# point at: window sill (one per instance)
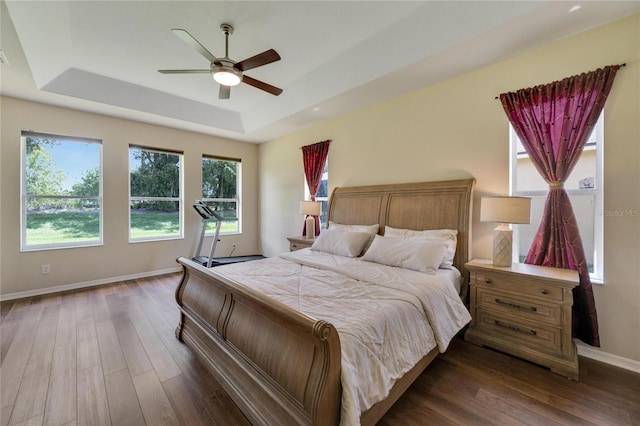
(60, 247)
(596, 280)
(153, 239)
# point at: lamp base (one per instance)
(502, 245)
(310, 224)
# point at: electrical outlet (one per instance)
(46, 269)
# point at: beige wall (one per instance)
(116, 258)
(457, 129)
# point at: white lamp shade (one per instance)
(311, 208)
(505, 209)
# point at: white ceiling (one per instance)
(103, 56)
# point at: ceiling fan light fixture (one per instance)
(227, 76)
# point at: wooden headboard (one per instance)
(418, 206)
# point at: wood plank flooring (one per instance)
(107, 356)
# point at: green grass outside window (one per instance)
(66, 227)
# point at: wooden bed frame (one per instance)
(280, 366)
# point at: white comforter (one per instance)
(387, 318)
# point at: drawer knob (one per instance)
(487, 280)
(544, 291)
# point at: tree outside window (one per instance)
(61, 191)
(220, 191)
(155, 180)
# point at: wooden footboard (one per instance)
(279, 366)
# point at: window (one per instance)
(155, 194)
(322, 195)
(584, 187)
(61, 191)
(220, 191)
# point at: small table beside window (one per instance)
(297, 243)
(524, 310)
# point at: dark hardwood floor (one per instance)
(108, 356)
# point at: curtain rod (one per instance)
(328, 140)
(621, 65)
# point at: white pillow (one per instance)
(417, 255)
(448, 236)
(343, 243)
(372, 230)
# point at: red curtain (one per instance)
(553, 122)
(313, 158)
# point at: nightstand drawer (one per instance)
(297, 243)
(521, 285)
(519, 332)
(533, 309)
(297, 246)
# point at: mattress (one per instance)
(454, 276)
(387, 318)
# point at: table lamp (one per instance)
(504, 210)
(311, 209)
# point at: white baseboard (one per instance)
(93, 283)
(611, 359)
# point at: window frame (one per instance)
(24, 197)
(179, 199)
(238, 200)
(324, 200)
(597, 276)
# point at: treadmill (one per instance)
(207, 215)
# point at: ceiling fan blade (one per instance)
(259, 60)
(184, 71)
(224, 92)
(195, 44)
(261, 85)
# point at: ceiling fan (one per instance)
(226, 71)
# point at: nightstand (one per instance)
(297, 243)
(524, 310)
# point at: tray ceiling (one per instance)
(103, 56)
